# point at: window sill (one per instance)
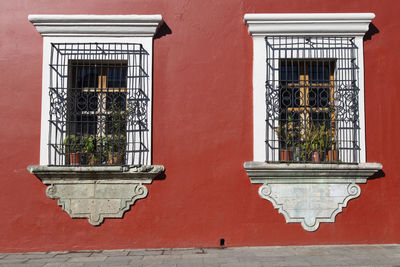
(309, 193)
(96, 192)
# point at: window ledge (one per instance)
(95, 192)
(309, 193)
(292, 173)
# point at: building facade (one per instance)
(193, 124)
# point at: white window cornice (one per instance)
(96, 25)
(354, 24)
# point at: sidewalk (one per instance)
(354, 255)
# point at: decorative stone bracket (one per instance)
(309, 193)
(95, 192)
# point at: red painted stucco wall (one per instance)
(202, 133)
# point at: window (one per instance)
(308, 113)
(98, 104)
(312, 97)
(95, 141)
(97, 89)
(96, 113)
(308, 76)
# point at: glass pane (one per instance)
(116, 76)
(289, 72)
(86, 76)
(319, 72)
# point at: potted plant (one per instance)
(115, 150)
(89, 149)
(318, 141)
(332, 154)
(287, 136)
(114, 143)
(73, 147)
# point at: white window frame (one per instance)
(261, 26)
(90, 29)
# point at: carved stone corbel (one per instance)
(95, 192)
(309, 193)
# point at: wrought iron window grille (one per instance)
(312, 102)
(98, 104)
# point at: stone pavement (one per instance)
(354, 255)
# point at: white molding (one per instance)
(354, 24)
(96, 25)
(309, 193)
(96, 193)
(361, 98)
(259, 106)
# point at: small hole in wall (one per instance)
(222, 242)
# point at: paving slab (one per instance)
(88, 259)
(66, 264)
(73, 254)
(144, 252)
(124, 258)
(21, 265)
(242, 264)
(119, 252)
(183, 251)
(17, 260)
(28, 256)
(46, 260)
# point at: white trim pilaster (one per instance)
(259, 109)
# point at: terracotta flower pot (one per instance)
(75, 158)
(286, 155)
(315, 157)
(332, 155)
(115, 158)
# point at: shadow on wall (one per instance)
(162, 31)
(371, 31)
(377, 175)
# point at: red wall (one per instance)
(202, 133)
